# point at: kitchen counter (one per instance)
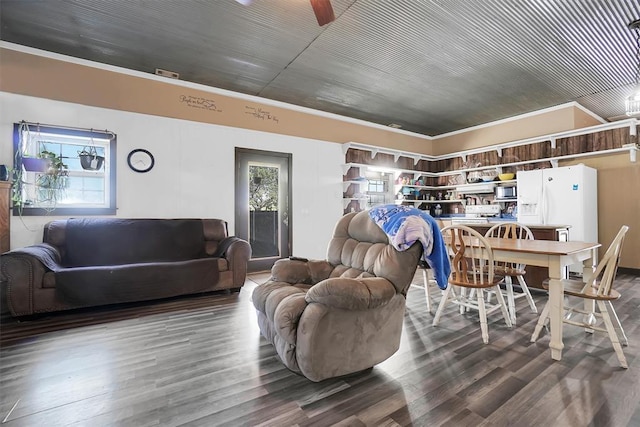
(446, 220)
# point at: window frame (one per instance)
(110, 174)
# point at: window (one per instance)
(377, 186)
(377, 190)
(63, 171)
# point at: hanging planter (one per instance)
(89, 159)
(35, 164)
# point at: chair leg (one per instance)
(425, 278)
(617, 324)
(511, 300)
(525, 289)
(483, 317)
(542, 320)
(463, 297)
(442, 305)
(613, 336)
(503, 307)
(589, 307)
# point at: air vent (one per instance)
(165, 73)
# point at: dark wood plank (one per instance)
(200, 360)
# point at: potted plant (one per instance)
(48, 185)
(34, 164)
(54, 179)
(89, 159)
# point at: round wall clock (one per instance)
(140, 160)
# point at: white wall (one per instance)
(194, 171)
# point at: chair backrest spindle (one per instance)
(608, 265)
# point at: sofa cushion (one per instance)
(135, 282)
(97, 241)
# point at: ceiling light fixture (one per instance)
(632, 103)
(323, 11)
(321, 8)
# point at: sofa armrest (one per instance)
(48, 255)
(24, 271)
(237, 253)
(352, 294)
(295, 271)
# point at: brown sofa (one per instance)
(96, 261)
(343, 315)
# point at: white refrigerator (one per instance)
(561, 196)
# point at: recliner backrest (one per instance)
(360, 248)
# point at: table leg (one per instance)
(589, 305)
(556, 308)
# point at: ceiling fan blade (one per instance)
(323, 11)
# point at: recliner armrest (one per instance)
(300, 272)
(352, 294)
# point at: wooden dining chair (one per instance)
(472, 268)
(427, 281)
(512, 270)
(596, 291)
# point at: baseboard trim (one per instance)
(632, 271)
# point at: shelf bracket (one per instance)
(633, 151)
(345, 148)
(396, 156)
(345, 168)
(553, 143)
(416, 159)
(374, 153)
(632, 129)
(499, 169)
(464, 158)
(554, 163)
(499, 151)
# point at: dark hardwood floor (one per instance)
(201, 361)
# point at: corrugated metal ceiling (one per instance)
(432, 66)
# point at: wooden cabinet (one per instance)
(5, 218)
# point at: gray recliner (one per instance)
(343, 315)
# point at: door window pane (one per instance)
(264, 210)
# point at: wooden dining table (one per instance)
(555, 256)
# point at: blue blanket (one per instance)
(405, 225)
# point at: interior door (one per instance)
(263, 208)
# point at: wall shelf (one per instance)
(551, 138)
(430, 202)
(554, 139)
(347, 200)
(346, 184)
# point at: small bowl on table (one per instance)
(506, 176)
